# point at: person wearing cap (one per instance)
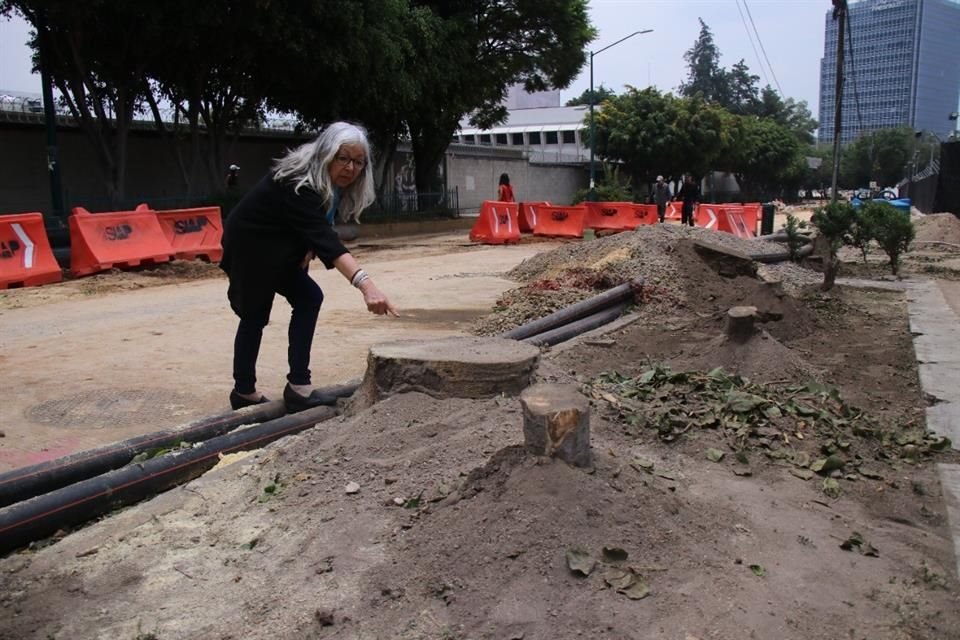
(271, 236)
(661, 196)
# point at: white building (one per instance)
(552, 135)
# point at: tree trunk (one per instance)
(556, 423)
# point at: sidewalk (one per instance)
(934, 325)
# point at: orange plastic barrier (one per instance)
(26, 259)
(528, 215)
(752, 213)
(728, 218)
(643, 214)
(101, 241)
(193, 233)
(674, 210)
(560, 222)
(497, 223)
(609, 215)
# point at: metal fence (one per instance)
(399, 207)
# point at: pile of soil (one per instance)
(675, 278)
(937, 227)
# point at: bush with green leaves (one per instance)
(862, 232)
(835, 224)
(610, 188)
(794, 239)
(892, 229)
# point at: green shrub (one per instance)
(893, 231)
(835, 224)
(794, 239)
(610, 188)
(862, 232)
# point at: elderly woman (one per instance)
(269, 239)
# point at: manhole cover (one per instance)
(114, 408)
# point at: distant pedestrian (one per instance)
(690, 195)
(233, 176)
(505, 193)
(661, 196)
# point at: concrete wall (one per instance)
(475, 172)
(153, 176)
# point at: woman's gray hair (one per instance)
(309, 165)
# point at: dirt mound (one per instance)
(938, 227)
(675, 278)
(762, 357)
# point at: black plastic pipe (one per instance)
(27, 482)
(610, 297)
(770, 258)
(39, 517)
(575, 328)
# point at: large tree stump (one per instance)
(725, 261)
(447, 367)
(741, 323)
(556, 422)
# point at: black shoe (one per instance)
(237, 401)
(296, 402)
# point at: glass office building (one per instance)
(904, 69)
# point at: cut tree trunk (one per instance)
(556, 423)
(447, 367)
(741, 323)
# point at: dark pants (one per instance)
(661, 211)
(686, 215)
(305, 297)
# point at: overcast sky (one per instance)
(791, 32)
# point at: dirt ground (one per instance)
(457, 533)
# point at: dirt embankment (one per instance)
(798, 504)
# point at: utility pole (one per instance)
(840, 16)
(50, 118)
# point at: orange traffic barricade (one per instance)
(497, 224)
(528, 215)
(643, 214)
(26, 259)
(733, 219)
(193, 233)
(752, 213)
(122, 239)
(560, 222)
(614, 216)
(674, 210)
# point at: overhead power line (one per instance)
(743, 19)
(760, 42)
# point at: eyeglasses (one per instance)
(345, 160)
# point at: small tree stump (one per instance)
(556, 422)
(740, 323)
(447, 367)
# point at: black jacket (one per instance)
(267, 235)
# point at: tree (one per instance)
(742, 90)
(97, 54)
(834, 222)
(884, 156)
(793, 115)
(655, 133)
(765, 156)
(705, 76)
(599, 95)
(481, 47)
(892, 230)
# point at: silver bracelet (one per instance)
(359, 279)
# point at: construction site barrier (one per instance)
(560, 222)
(615, 216)
(193, 233)
(122, 239)
(497, 223)
(528, 215)
(674, 210)
(727, 218)
(26, 259)
(643, 214)
(752, 214)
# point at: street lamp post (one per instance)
(592, 196)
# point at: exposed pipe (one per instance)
(42, 516)
(771, 258)
(575, 328)
(610, 297)
(27, 482)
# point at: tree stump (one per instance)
(740, 323)
(447, 367)
(556, 423)
(727, 262)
